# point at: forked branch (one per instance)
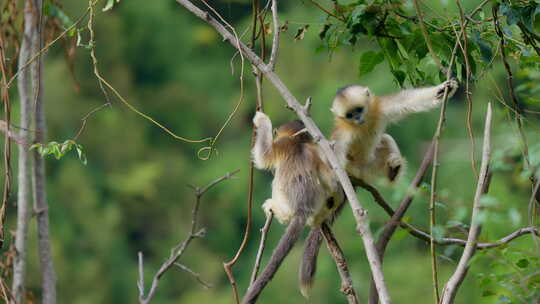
(179, 250)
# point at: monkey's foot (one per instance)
(260, 118)
(452, 86)
(281, 211)
(395, 167)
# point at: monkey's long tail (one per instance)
(308, 266)
(293, 232)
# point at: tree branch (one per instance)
(275, 39)
(457, 278)
(393, 223)
(337, 254)
(422, 235)
(426, 36)
(264, 233)
(359, 213)
(179, 250)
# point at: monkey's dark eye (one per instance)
(359, 109)
(349, 115)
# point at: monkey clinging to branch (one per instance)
(361, 145)
(304, 189)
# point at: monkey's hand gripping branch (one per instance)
(359, 213)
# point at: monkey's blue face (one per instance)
(355, 115)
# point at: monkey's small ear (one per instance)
(274, 132)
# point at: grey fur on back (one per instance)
(300, 179)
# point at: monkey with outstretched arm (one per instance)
(363, 147)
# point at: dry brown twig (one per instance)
(359, 213)
(464, 50)
(264, 233)
(343, 269)
(258, 84)
(4, 95)
(178, 251)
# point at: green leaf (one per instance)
(512, 15)
(523, 263)
(485, 49)
(56, 151)
(54, 11)
(368, 61)
(488, 293)
(399, 76)
(528, 17)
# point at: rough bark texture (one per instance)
(24, 176)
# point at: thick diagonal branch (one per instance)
(359, 213)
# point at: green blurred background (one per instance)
(132, 194)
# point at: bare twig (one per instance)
(194, 274)
(45, 48)
(456, 279)
(178, 251)
(412, 230)
(426, 37)
(433, 197)
(329, 13)
(87, 116)
(264, 233)
(510, 80)
(337, 254)
(467, 81)
(532, 211)
(359, 213)
(259, 107)
(275, 39)
(11, 134)
(103, 83)
(4, 95)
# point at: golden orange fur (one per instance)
(361, 119)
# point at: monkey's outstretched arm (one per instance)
(395, 107)
(287, 241)
(262, 150)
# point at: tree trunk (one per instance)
(24, 176)
(48, 276)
